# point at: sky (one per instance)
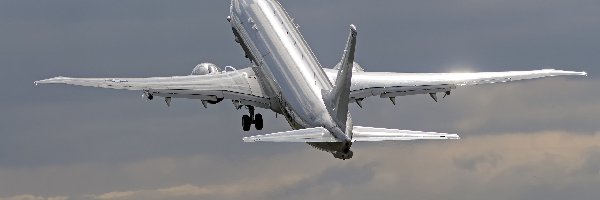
(531, 140)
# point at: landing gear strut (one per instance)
(248, 120)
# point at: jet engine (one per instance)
(206, 68)
(355, 67)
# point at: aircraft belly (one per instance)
(289, 68)
(252, 52)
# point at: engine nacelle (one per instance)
(355, 67)
(206, 68)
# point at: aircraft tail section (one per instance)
(339, 96)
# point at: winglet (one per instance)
(340, 94)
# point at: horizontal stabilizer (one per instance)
(318, 134)
(381, 134)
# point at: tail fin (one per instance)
(340, 94)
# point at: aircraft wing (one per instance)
(390, 84)
(240, 85)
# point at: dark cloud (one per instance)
(591, 166)
(329, 179)
(434, 36)
(532, 165)
(471, 162)
(59, 140)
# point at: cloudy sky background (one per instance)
(528, 140)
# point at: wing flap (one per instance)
(318, 134)
(364, 134)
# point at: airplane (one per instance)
(286, 78)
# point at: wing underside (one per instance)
(390, 84)
(240, 85)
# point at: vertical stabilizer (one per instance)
(340, 94)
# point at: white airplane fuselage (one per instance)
(285, 65)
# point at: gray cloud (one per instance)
(31, 197)
(528, 140)
(472, 162)
(435, 35)
(531, 166)
(591, 167)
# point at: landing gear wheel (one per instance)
(258, 122)
(246, 122)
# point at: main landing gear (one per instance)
(248, 120)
